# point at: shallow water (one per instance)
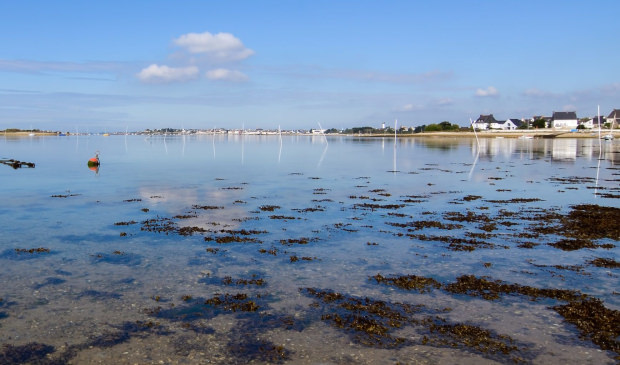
(117, 282)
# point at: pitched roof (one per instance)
(517, 122)
(614, 114)
(486, 119)
(564, 115)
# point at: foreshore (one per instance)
(503, 134)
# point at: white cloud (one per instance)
(225, 74)
(489, 91)
(218, 47)
(164, 74)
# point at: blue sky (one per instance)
(112, 65)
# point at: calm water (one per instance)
(116, 282)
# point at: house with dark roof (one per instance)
(512, 124)
(614, 118)
(565, 120)
(592, 122)
(485, 122)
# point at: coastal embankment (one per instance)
(507, 134)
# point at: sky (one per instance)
(132, 65)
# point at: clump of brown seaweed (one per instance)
(32, 250)
(373, 323)
(17, 164)
(596, 322)
(409, 282)
(605, 262)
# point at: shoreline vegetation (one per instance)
(521, 133)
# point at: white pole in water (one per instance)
(394, 157)
(395, 124)
(322, 132)
(598, 113)
(471, 122)
(600, 150)
(280, 137)
(213, 142)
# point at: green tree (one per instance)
(432, 128)
(539, 123)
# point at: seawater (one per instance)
(325, 213)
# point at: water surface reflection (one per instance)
(231, 249)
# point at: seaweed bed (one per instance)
(594, 321)
(370, 320)
(373, 323)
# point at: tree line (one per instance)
(433, 127)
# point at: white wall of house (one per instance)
(565, 123)
(591, 123)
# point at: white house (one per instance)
(564, 120)
(594, 122)
(485, 122)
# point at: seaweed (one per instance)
(605, 262)
(29, 353)
(418, 225)
(255, 280)
(595, 322)
(409, 282)
(17, 164)
(32, 250)
(491, 290)
(573, 244)
(373, 323)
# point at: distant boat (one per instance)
(106, 134)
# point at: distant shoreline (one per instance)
(27, 134)
(501, 134)
(542, 134)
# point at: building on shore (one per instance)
(614, 118)
(564, 120)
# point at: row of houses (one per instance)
(559, 120)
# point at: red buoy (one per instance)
(94, 161)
